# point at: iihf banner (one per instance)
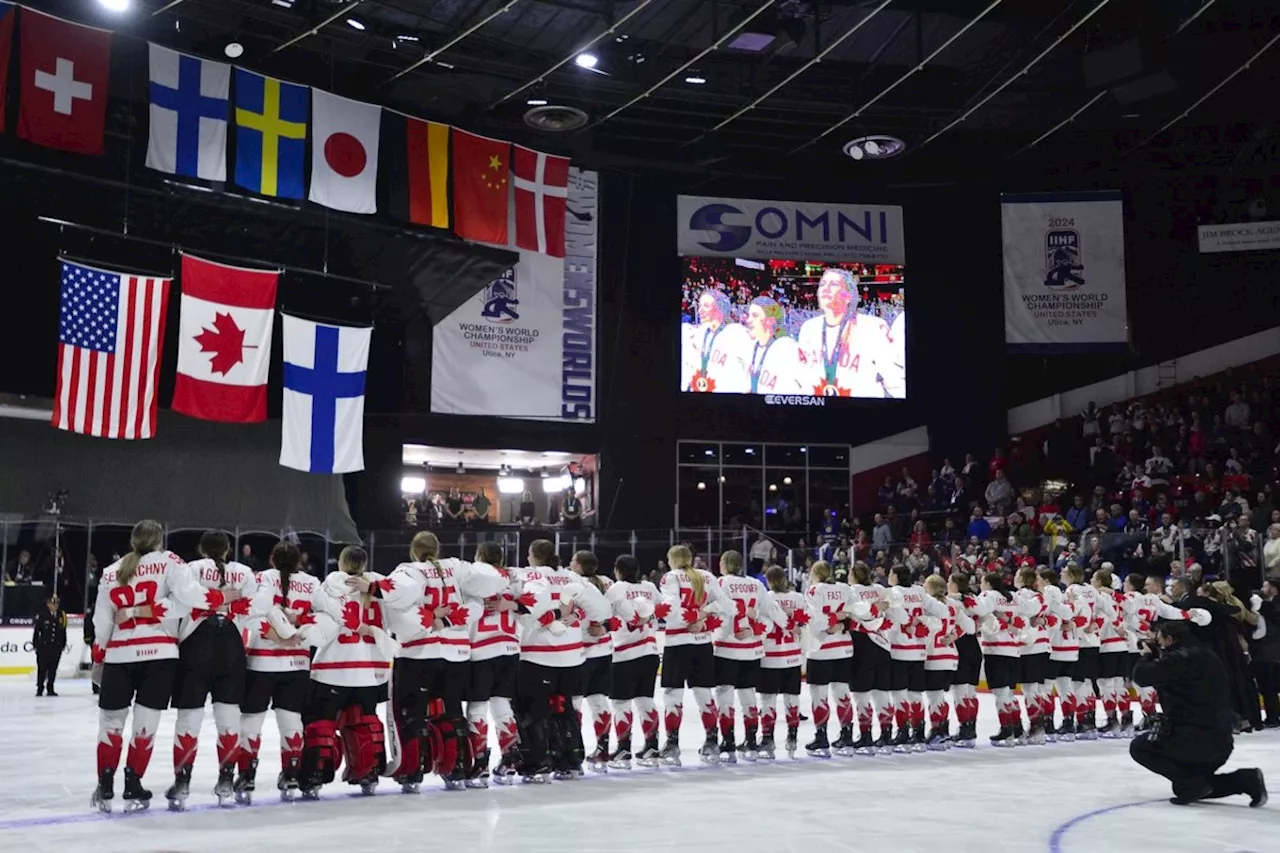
(525, 346)
(1064, 272)
(763, 230)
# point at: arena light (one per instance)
(875, 147)
(559, 483)
(412, 485)
(695, 80)
(701, 486)
(537, 102)
(510, 486)
(586, 60)
(115, 5)
(786, 481)
(234, 50)
(355, 24)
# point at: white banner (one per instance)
(813, 231)
(1064, 272)
(524, 347)
(1240, 237)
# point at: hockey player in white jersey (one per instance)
(211, 662)
(714, 351)
(140, 599)
(846, 354)
(495, 666)
(774, 366)
(780, 668)
(637, 607)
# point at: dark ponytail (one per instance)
(995, 580)
(589, 565)
(285, 557)
(215, 545)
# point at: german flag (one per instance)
(416, 166)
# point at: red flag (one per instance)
(542, 188)
(7, 14)
(224, 341)
(480, 174)
(64, 83)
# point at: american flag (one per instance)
(110, 331)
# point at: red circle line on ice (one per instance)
(345, 155)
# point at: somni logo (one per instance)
(728, 237)
(500, 300)
(1063, 264)
(778, 221)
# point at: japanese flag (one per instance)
(344, 153)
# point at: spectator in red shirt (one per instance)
(920, 537)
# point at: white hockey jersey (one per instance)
(637, 607)
(915, 617)
(547, 637)
(677, 591)
(306, 611)
(239, 577)
(941, 653)
(741, 637)
(997, 635)
(851, 359)
(497, 634)
(352, 659)
(832, 606)
(450, 592)
(715, 359)
(598, 646)
(1112, 635)
(776, 368)
(1084, 599)
(873, 595)
(1032, 622)
(162, 583)
(782, 648)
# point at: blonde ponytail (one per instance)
(147, 536)
(820, 572)
(680, 558)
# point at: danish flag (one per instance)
(541, 191)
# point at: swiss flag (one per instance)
(64, 83)
(224, 341)
(541, 188)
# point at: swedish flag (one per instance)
(271, 134)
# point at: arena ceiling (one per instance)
(787, 82)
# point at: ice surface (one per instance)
(1061, 798)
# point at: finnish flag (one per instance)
(189, 107)
(324, 371)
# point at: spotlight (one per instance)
(874, 147)
(786, 481)
(355, 25)
(695, 79)
(586, 60)
(234, 50)
(773, 487)
(701, 485)
(115, 5)
(412, 485)
(537, 102)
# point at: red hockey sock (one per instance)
(622, 728)
(821, 714)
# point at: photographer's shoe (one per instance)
(1256, 788)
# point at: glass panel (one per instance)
(698, 453)
(699, 497)
(784, 499)
(828, 492)
(785, 455)
(743, 454)
(829, 456)
(743, 497)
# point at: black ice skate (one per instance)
(967, 737)
(225, 789)
(902, 740)
(621, 759)
(939, 739)
(136, 797)
(766, 751)
(844, 744)
(1005, 737)
(919, 743)
(180, 790)
(670, 754)
(1067, 731)
(866, 744)
(286, 782)
(1126, 724)
(539, 775)
(884, 746)
(749, 750)
(728, 750)
(710, 751)
(1050, 731)
(1019, 734)
(1036, 735)
(245, 783)
(1110, 730)
(1086, 729)
(650, 756)
(598, 761)
(793, 735)
(508, 769)
(105, 792)
(818, 748)
(1144, 725)
(479, 775)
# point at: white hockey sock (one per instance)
(111, 739)
(901, 708)
(883, 703)
(673, 710)
(791, 701)
(647, 709)
(1004, 702)
(818, 703)
(724, 707)
(750, 705)
(864, 710)
(290, 725)
(622, 722)
(142, 739)
(504, 721)
(478, 721)
(186, 736)
(915, 707)
(707, 708)
(601, 718)
(251, 737)
(843, 705)
(768, 704)
(227, 720)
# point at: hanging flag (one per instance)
(324, 369)
(541, 188)
(271, 135)
(480, 191)
(417, 166)
(7, 15)
(110, 330)
(189, 106)
(65, 68)
(224, 341)
(344, 153)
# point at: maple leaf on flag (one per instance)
(225, 340)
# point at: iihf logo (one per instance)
(1063, 264)
(500, 299)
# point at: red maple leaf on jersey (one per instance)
(225, 340)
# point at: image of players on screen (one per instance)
(847, 353)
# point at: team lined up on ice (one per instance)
(526, 648)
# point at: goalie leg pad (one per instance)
(568, 736)
(533, 744)
(451, 748)
(363, 744)
(319, 752)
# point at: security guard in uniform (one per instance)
(49, 641)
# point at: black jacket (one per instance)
(1267, 650)
(1193, 688)
(51, 631)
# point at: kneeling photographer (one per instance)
(1192, 736)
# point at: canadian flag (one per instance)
(224, 341)
(541, 183)
(344, 153)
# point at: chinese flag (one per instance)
(64, 83)
(481, 178)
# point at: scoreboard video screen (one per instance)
(787, 329)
